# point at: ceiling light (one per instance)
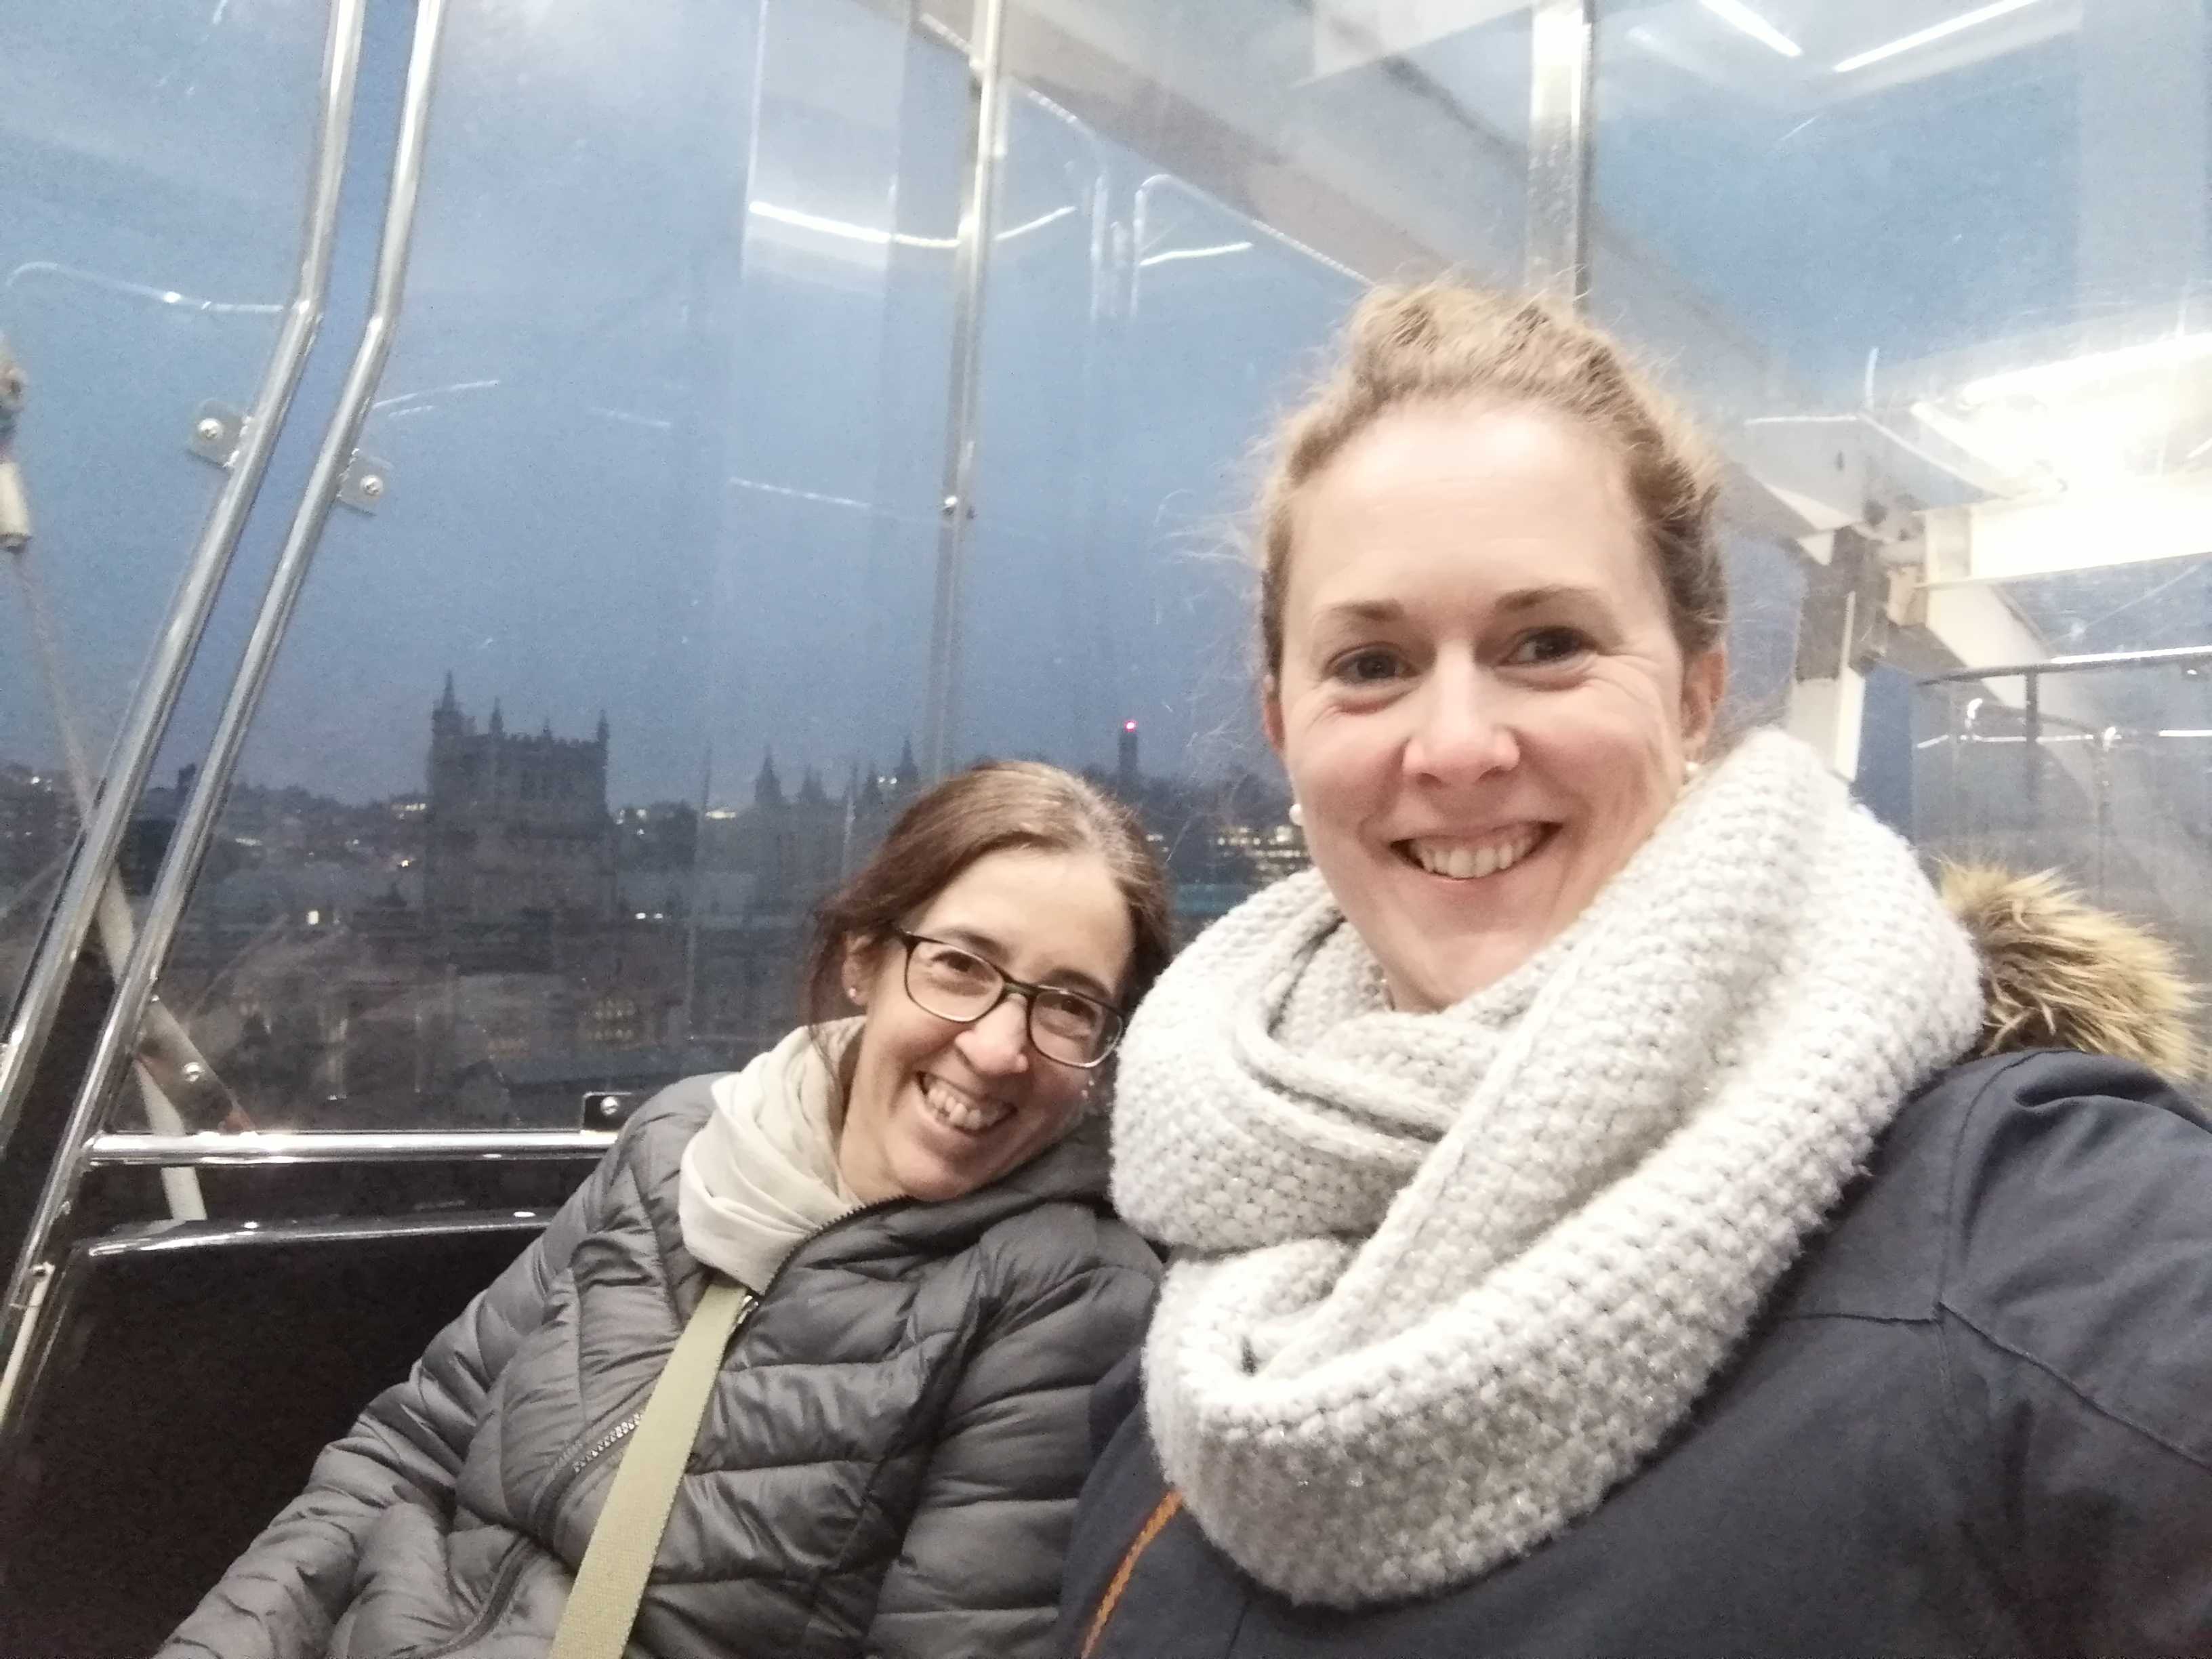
(2074, 375)
(1965, 20)
(1743, 17)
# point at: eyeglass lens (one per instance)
(956, 984)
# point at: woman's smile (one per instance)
(966, 1112)
(1475, 857)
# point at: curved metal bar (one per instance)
(971, 257)
(202, 1151)
(196, 825)
(151, 704)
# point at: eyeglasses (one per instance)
(958, 985)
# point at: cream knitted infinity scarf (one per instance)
(1442, 1280)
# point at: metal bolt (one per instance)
(607, 1106)
(951, 506)
(193, 1071)
(209, 429)
(372, 487)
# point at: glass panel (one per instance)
(152, 164)
(567, 736)
(1190, 200)
(2104, 774)
(1920, 256)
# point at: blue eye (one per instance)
(1371, 666)
(1547, 646)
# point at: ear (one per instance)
(1705, 681)
(1270, 712)
(857, 971)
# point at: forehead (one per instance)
(1041, 913)
(1495, 497)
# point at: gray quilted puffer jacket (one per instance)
(888, 1465)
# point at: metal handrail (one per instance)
(183, 1237)
(339, 1147)
(196, 824)
(2179, 654)
(148, 716)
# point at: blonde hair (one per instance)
(1445, 342)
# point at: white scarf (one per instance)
(1442, 1280)
(761, 1176)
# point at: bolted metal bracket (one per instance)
(366, 482)
(610, 1108)
(217, 431)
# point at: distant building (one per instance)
(797, 848)
(37, 825)
(514, 825)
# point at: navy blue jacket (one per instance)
(1975, 1418)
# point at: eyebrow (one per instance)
(1525, 598)
(1063, 978)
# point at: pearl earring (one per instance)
(1297, 815)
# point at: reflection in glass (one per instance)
(1941, 275)
(2104, 774)
(1190, 200)
(621, 676)
(151, 169)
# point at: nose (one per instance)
(1460, 731)
(998, 1045)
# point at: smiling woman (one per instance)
(1603, 1221)
(892, 1445)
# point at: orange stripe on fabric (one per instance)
(1167, 1509)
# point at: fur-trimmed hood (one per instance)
(2058, 972)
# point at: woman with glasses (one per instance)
(888, 1456)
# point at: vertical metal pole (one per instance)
(151, 704)
(2031, 716)
(970, 260)
(1562, 58)
(196, 824)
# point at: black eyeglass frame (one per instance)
(1009, 986)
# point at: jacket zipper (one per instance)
(614, 1436)
(625, 1426)
(501, 1592)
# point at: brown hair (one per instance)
(990, 808)
(1445, 342)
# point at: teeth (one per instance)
(1462, 863)
(959, 1110)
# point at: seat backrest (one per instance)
(200, 1368)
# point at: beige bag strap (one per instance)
(611, 1582)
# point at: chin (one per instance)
(924, 1178)
(1441, 981)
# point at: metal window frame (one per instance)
(100, 843)
(1562, 66)
(987, 108)
(24, 1327)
